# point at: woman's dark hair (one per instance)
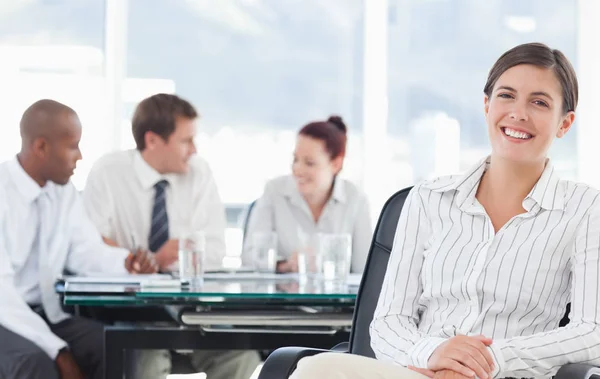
(332, 132)
(540, 55)
(158, 114)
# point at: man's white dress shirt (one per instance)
(449, 273)
(119, 195)
(44, 231)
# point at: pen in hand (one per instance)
(134, 249)
(134, 245)
(140, 260)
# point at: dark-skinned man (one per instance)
(44, 231)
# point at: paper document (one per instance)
(249, 276)
(120, 279)
(226, 270)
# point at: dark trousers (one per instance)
(21, 358)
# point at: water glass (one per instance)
(192, 254)
(335, 250)
(309, 261)
(264, 251)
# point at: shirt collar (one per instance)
(338, 194)
(146, 174)
(28, 189)
(465, 185)
(339, 190)
(548, 192)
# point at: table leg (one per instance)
(113, 355)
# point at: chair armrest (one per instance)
(341, 347)
(282, 362)
(578, 371)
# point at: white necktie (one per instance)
(47, 272)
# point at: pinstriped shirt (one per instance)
(450, 273)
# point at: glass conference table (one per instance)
(245, 311)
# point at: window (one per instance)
(257, 71)
(439, 56)
(406, 75)
(53, 49)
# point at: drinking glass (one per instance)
(335, 250)
(192, 255)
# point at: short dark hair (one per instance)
(332, 132)
(158, 113)
(539, 55)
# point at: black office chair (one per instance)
(247, 218)
(282, 362)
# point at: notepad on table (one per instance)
(119, 279)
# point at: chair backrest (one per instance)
(247, 218)
(372, 279)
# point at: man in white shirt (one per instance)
(44, 231)
(154, 195)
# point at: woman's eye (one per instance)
(541, 103)
(505, 96)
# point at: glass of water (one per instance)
(335, 250)
(264, 251)
(309, 260)
(192, 253)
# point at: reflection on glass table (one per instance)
(248, 288)
(234, 303)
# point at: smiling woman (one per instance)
(313, 200)
(468, 276)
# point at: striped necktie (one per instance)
(159, 229)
